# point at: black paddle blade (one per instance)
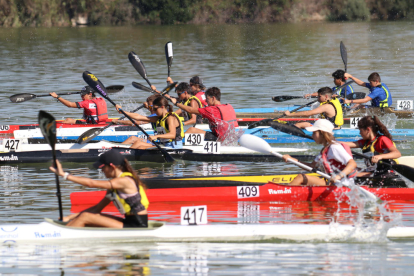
(138, 64)
(356, 95)
(89, 135)
(47, 124)
(405, 171)
(279, 99)
(169, 55)
(19, 98)
(344, 54)
(141, 87)
(95, 83)
(289, 129)
(115, 88)
(264, 122)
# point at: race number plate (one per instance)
(353, 122)
(194, 215)
(4, 127)
(247, 191)
(11, 145)
(194, 139)
(405, 105)
(211, 147)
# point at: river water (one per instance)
(250, 64)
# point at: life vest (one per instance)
(333, 166)
(338, 119)
(342, 92)
(202, 97)
(187, 116)
(228, 120)
(162, 128)
(131, 205)
(384, 103)
(369, 150)
(99, 115)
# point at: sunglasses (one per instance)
(155, 108)
(179, 94)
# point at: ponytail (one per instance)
(329, 138)
(375, 124)
(126, 167)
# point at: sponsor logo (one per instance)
(283, 179)
(277, 192)
(19, 100)
(92, 76)
(47, 235)
(136, 57)
(125, 152)
(101, 90)
(9, 158)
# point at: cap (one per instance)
(110, 157)
(196, 80)
(86, 90)
(323, 125)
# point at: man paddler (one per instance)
(94, 109)
(221, 117)
(329, 108)
(184, 94)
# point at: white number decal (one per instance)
(247, 191)
(404, 105)
(11, 145)
(211, 147)
(194, 139)
(194, 215)
(4, 127)
(353, 122)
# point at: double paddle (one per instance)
(97, 85)
(404, 170)
(258, 144)
(47, 124)
(169, 55)
(23, 97)
(355, 95)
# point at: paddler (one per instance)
(329, 108)
(184, 94)
(376, 142)
(168, 125)
(221, 117)
(124, 189)
(380, 95)
(335, 157)
(197, 88)
(94, 109)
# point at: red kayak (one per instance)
(248, 188)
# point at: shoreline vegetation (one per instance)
(61, 13)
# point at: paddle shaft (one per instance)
(58, 194)
(120, 118)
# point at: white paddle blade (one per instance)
(170, 49)
(255, 143)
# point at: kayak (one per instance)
(274, 112)
(51, 231)
(250, 188)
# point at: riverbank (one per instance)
(61, 13)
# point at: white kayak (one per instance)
(54, 231)
(21, 145)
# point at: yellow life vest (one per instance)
(369, 150)
(384, 103)
(338, 119)
(125, 206)
(162, 128)
(344, 96)
(187, 116)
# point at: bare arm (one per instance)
(359, 101)
(62, 100)
(356, 80)
(351, 144)
(193, 118)
(189, 109)
(393, 154)
(320, 109)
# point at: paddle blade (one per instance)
(138, 64)
(89, 135)
(47, 124)
(264, 122)
(115, 89)
(279, 99)
(355, 96)
(141, 87)
(344, 54)
(289, 129)
(255, 143)
(19, 98)
(95, 83)
(405, 171)
(169, 55)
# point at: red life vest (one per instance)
(202, 97)
(331, 164)
(98, 114)
(228, 119)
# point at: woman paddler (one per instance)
(376, 142)
(335, 157)
(169, 127)
(124, 189)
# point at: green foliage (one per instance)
(347, 10)
(391, 10)
(169, 11)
